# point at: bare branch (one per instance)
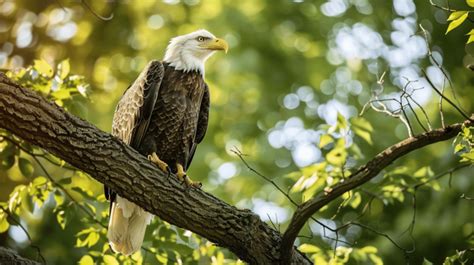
(362, 175)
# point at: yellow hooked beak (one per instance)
(216, 44)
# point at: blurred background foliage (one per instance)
(287, 95)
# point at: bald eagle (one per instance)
(163, 115)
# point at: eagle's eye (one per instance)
(201, 38)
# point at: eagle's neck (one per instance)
(185, 60)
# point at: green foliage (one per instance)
(464, 145)
(342, 255)
(456, 19)
(286, 64)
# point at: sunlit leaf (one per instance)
(110, 260)
(341, 121)
(338, 155)
(61, 218)
(455, 15)
(458, 21)
(43, 68)
(355, 200)
(423, 172)
(61, 94)
(470, 39)
(87, 237)
(308, 248)
(64, 68)
(369, 249)
(86, 260)
(4, 225)
(376, 259)
(470, 2)
(324, 140)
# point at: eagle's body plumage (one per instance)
(163, 113)
(180, 119)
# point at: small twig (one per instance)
(410, 129)
(273, 224)
(441, 114)
(82, 207)
(406, 251)
(84, 2)
(444, 97)
(441, 68)
(10, 216)
(236, 151)
(61, 5)
(442, 7)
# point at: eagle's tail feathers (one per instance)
(127, 226)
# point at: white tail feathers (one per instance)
(127, 226)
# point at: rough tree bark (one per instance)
(131, 175)
(8, 256)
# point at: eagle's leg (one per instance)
(162, 165)
(184, 178)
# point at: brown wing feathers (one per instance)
(133, 112)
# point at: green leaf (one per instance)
(468, 156)
(324, 140)
(423, 172)
(455, 15)
(86, 260)
(61, 94)
(470, 3)
(91, 238)
(375, 259)
(7, 162)
(362, 128)
(43, 68)
(369, 249)
(471, 39)
(65, 181)
(84, 193)
(26, 167)
(110, 260)
(362, 123)
(39, 181)
(457, 22)
(355, 200)
(338, 155)
(3, 222)
(308, 248)
(341, 121)
(61, 217)
(63, 69)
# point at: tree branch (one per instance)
(8, 256)
(361, 176)
(131, 175)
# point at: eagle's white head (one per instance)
(189, 52)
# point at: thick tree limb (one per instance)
(8, 256)
(361, 176)
(131, 175)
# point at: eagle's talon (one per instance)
(183, 177)
(161, 164)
